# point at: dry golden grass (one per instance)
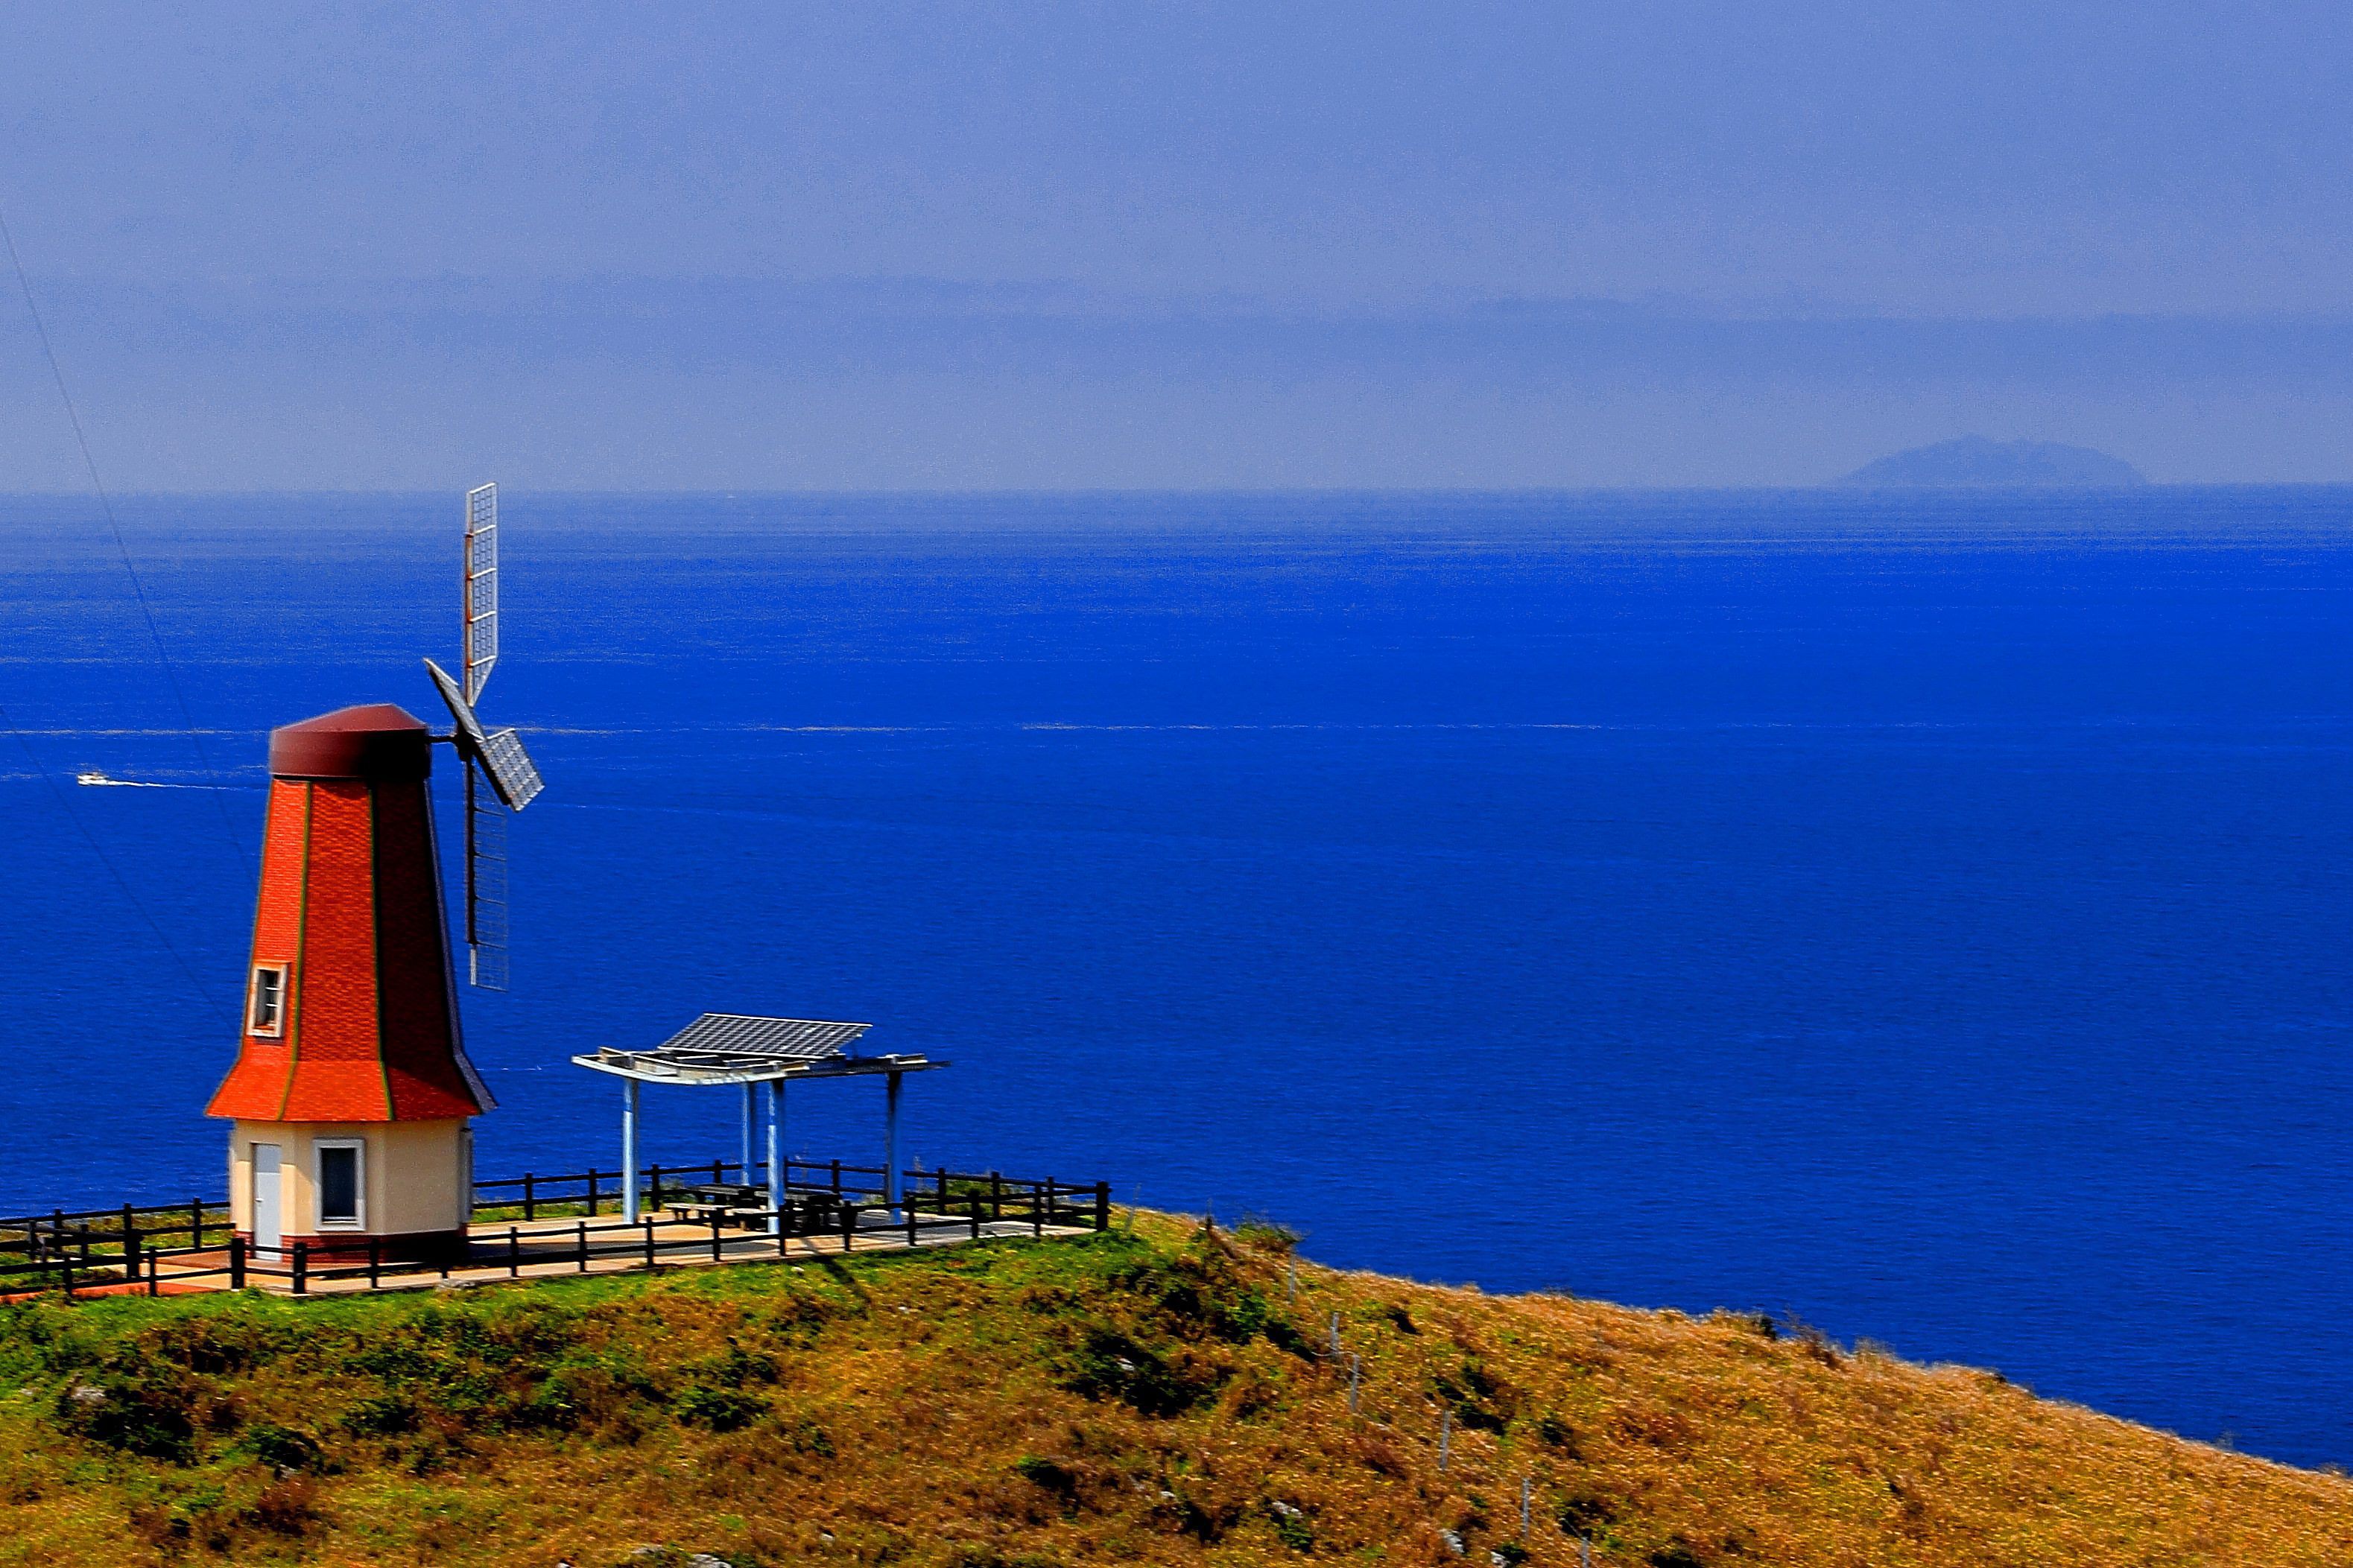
(1152, 1396)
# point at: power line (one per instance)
(106, 504)
(65, 805)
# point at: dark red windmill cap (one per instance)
(377, 742)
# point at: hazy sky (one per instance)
(604, 245)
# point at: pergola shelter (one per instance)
(721, 1049)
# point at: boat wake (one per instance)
(92, 776)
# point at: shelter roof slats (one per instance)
(738, 1047)
(742, 1033)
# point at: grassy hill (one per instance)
(1151, 1395)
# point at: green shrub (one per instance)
(1194, 1293)
(1265, 1235)
(1585, 1512)
(1283, 1337)
(805, 1437)
(1558, 1435)
(1113, 1365)
(1479, 1399)
(382, 1415)
(282, 1449)
(148, 1417)
(1293, 1527)
(721, 1410)
(1048, 1475)
(737, 1367)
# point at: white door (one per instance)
(269, 1190)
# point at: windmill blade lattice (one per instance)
(481, 634)
(500, 778)
(485, 890)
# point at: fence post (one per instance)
(719, 1172)
(236, 1263)
(514, 1253)
(197, 1222)
(155, 1276)
(649, 1240)
(995, 1195)
(715, 1243)
(657, 1179)
(376, 1262)
(836, 1178)
(131, 1252)
(1103, 1205)
(584, 1247)
(302, 1268)
(1036, 1210)
(530, 1196)
(848, 1226)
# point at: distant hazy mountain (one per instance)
(1975, 461)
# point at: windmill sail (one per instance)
(486, 888)
(500, 779)
(511, 770)
(481, 636)
(498, 753)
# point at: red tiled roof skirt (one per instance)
(350, 906)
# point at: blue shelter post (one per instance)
(776, 1184)
(891, 1143)
(748, 1098)
(629, 1149)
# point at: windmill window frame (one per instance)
(264, 1000)
(357, 1147)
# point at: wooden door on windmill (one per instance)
(268, 1192)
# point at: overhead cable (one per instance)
(106, 504)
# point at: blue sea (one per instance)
(1924, 917)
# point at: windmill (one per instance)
(352, 1099)
(499, 777)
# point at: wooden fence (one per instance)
(152, 1246)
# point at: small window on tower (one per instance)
(267, 1014)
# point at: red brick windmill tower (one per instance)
(351, 1097)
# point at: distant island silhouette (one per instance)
(1978, 462)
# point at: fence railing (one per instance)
(593, 1192)
(134, 1246)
